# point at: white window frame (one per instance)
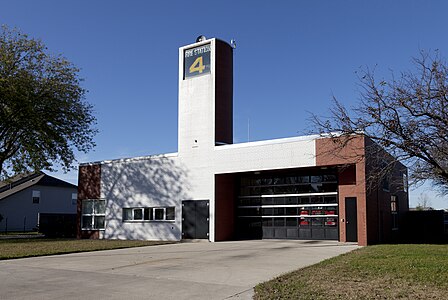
(394, 204)
(394, 211)
(405, 182)
(74, 198)
(35, 194)
(152, 217)
(93, 215)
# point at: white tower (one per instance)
(205, 96)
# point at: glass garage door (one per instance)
(288, 207)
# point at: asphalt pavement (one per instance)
(194, 270)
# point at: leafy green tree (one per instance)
(407, 115)
(44, 117)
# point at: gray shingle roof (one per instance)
(22, 181)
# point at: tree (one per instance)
(424, 203)
(44, 117)
(407, 116)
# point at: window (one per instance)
(93, 214)
(393, 204)
(291, 211)
(303, 179)
(74, 198)
(170, 216)
(36, 197)
(142, 214)
(138, 214)
(329, 178)
(291, 222)
(267, 222)
(279, 222)
(159, 214)
(317, 222)
(405, 183)
(147, 213)
(394, 211)
(385, 184)
(316, 179)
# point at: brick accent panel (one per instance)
(224, 207)
(379, 213)
(89, 182)
(89, 187)
(224, 93)
(328, 151)
(352, 165)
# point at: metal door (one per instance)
(195, 219)
(351, 220)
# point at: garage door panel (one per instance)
(290, 205)
(280, 233)
(304, 234)
(332, 233)
(268, 233)
(292, 233)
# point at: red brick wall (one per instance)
(373, 203)
(89, 187)
(351, 160)
(379, 209)
(224, 93)
(224, 207)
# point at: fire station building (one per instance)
(290, 188)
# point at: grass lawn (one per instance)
(2, 233)
(18, 248)
(374, 272)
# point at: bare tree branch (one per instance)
(407, 116)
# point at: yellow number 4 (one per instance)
(198, 65)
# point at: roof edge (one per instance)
(129, 159)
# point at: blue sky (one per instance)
(291, 58)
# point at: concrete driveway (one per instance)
(201, 270)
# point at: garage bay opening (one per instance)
(279, 205)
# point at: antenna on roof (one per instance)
(200, 38)
(248, 129)
(233, 43)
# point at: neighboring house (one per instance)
(291, 188)
(24, 196)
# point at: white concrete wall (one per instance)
(19, 207)
(265, 155)
(196, 107)
(144, 182)
(197, 123)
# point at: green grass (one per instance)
(2, 233)
(374, 272)
(18, 248)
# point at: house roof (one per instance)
(22, 181)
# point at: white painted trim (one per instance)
(288, 205)
(306, 216)
(290, 195)
(130, 159)
(269, 142)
